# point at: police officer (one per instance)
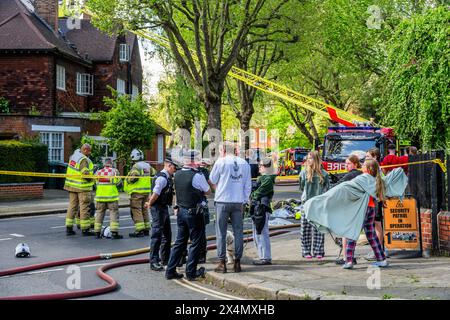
(190, 186)
(107, 197)
(160, 200)
(139, 188)
(79, 188)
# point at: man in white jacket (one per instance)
(232, 178)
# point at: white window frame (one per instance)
(60, 77)
(50, 143)
(121, 86)
(252, 135)
(102, 141)
(134, 91)
(124, 52)
(262, 133)
(85, 84)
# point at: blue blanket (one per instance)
(343, 208)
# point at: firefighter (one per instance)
(139, 189)
(107, 197)
(79, 188)
(159, 202)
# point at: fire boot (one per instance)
(88, 232)
(138, 234)
(116, 235)
(70, 232)
(98, 235)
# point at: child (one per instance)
(314, 180)
(261, 210)
(372, 168)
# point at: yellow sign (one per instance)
(401, 224)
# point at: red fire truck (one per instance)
(290, 160)
(342, 141)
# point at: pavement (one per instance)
(54, 201)
(290, 277)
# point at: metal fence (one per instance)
(429, 184)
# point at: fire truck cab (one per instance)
(340, 142)
(291, 160)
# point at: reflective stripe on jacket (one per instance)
(73, 169)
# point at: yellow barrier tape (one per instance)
(59, 175)
(439, 162)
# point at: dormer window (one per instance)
(124, 52)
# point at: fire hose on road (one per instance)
(101, 272)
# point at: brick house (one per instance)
(54, 74)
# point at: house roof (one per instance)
(22, 29)
(90, 41)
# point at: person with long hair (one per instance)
(370, 167)
(353, 167)
(375, 154)
(314, 180)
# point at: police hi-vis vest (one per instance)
(107, 185)
(143, 184)
(74, 169)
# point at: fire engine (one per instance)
(342, 141)
(291, 160)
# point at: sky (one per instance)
(152, 66)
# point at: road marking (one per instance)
(45, 271)
(54, 270)
(198, 288)
(200, 291)
(17, 235)
(211, 290)
(4, 239)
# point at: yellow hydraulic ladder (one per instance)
(308, 103)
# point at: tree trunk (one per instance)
(214, 109)
(245, 126)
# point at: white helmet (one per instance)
(106, 232)
(137, 155)
(22, 250)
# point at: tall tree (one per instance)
(417, 95)
(205, 36)
(261, 50)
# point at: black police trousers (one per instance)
(161, 234)
(190, 226)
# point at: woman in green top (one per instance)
(314, 180)
(261, 199)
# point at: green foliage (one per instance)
(4, 105)
(97, 150)
(34, 111)
(20, 156)
(289, 135)
(179, 103)
(417, 87)
(127, 124)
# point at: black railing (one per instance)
(427, 182)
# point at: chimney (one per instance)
(48, 11)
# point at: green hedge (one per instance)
(20, 156)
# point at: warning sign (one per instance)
(401, 224)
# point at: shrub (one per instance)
(4, 105)
(22, 156)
